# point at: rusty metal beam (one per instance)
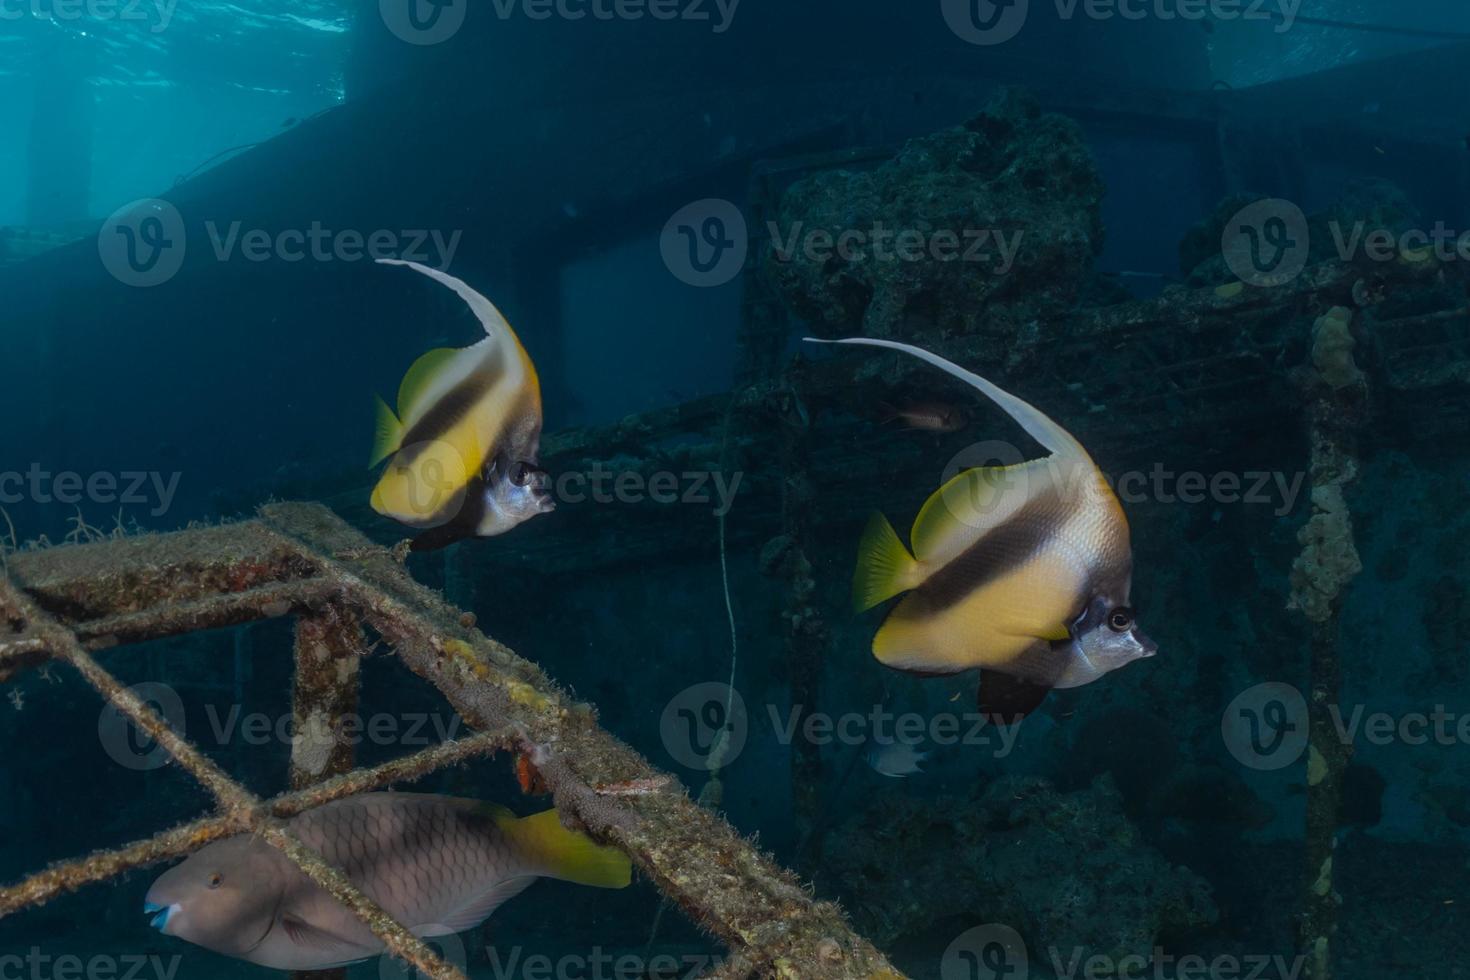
(233, 799)
(301, 558)
(756, 907)
(69, 876)
(328, 651)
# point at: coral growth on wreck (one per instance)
(1067, 870)
(1012, 198)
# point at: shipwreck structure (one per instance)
(1206, 361)
(302, 561)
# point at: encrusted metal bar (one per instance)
(216, 612)
(1337, 405)
(69, 876)
(761, 910)
(758, 908)
(170, 619)
(64, 645)
(231, 796)
(128, 575)
(807, 637)
(329, 646)
(328, 652)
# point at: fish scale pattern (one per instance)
(420, 859)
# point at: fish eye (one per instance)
(520, 474)
(216, 879)
(1120, 620)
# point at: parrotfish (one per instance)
(436, 864)
(463, 447)
(1023, 571)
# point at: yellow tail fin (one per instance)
(566, 854)
(387, 434)
(884, 566)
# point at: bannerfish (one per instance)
(940, 417)
(896, 760)
(463, 447)
(1023, 571)
(436, 864)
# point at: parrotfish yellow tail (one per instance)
(438, 865)
(1021, 571)
(464, 443)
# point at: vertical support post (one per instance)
(1337, 394)
(329, 644)
(807, 635)
(763, 322)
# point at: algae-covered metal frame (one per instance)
(301, 560)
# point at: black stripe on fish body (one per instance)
(464, 525)
(452, 408)
(1004, 549)
(1044, 663)
(520, 440)
(1005, 700)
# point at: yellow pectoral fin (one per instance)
(387, 432)
(884, 566)
(1055, 634)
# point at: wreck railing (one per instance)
(301, 560)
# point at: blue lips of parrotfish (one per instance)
(160, 920)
